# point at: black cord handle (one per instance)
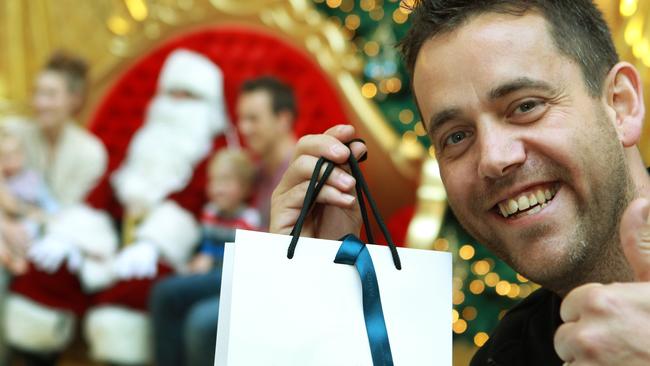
(314, 188)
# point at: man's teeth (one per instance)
(533, 202)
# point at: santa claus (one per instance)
(182, 121)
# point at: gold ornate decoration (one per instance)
(430, 209)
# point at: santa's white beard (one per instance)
(162, 155)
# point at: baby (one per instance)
(231, 175)
(195, 295)
(25, 203)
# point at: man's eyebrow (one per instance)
(441, 117)
(518, 84)
(500, 91)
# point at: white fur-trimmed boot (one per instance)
(118, 335)
(33, 327)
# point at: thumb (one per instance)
(635, 238)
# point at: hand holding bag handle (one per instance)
(315, 186)
(354, 252)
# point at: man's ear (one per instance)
(624, 97)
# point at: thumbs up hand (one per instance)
(610, 324)
(635, 238)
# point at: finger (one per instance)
(581, 300)
(284, 216)
(328, 195)
(303, 167)
(330, 145)
(358, 149)
(345, 134)
(635, 238)
(561, 342)
(342, 132)
(324, 146)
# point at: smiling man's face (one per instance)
(531, 162)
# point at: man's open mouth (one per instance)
(529, 202)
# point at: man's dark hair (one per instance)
(73, 69)
(577, 28)
(282, 97)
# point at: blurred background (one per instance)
(346, 49)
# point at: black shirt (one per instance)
(525, 334)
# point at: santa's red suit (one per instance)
(80, 271)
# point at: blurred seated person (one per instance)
(185, 317)
(183, 306)
(182, 121)
(70, 158)
(266, 110)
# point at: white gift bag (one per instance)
(332, 303)
(308, 310)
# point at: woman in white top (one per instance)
(71, 159)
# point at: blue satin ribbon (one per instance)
(354, 252)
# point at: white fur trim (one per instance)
(163, 153)
(118, 335)
(173, 230)
(34, 327)
(193, 72)
(96, 275)
(88, 229)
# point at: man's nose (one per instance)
(501, 151)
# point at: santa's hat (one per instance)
(192, 72)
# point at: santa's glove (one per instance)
(137, 261)
(49, 252)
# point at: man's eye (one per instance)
(455, 138)
(527, 106)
